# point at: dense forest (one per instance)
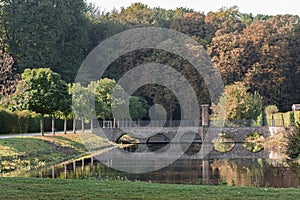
(260, 51)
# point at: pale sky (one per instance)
(270, 7)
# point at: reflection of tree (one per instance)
(245, 172)
(254, 142)
(256, 172)
(223, 142)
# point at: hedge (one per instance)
(26, 122)
(283, 119)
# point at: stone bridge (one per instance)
(197, 142)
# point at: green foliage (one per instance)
(103, 91)
(254, 142)
(138, 107)
(8, 77)
(261, 51)
(46, 33)
(284, 119)
(24, 122)
(237, 105)
(293, 146)
(81, 98)
(271, 109)
(6, 122)
(110, 100)
(45, 90)
(292, 118)
(260, 120)
(223, 142)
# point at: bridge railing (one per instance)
(126, 123)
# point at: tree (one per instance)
(191, 24)
(266, 73)
(138, 107)
(8, 77)
(110, 97)
(103, 93)
(262, 56)
(82, 106)
(225, 21)
(46, 33)
(45, 92)
(65, 111)
(237, 105)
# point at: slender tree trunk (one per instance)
(53, 125)
(92, 124)
(74, 125)
(42, 125)
(82, 125)
(65, 126)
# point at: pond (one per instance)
(233, 172)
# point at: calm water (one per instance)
(240, 172)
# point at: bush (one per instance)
(25, 122)
(293, 136)
(292, 118)
(271, 110)
(8, 122)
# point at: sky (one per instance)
(268, 7)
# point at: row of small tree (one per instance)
(44, 92)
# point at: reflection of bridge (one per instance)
(189, 136)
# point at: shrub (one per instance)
(292, 118)
(271, 109)
(24, 122)
(293, 136)
(8, 122)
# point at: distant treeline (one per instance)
(261, 51)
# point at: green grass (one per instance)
(25, 152)
(31, 188)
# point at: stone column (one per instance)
(205, 172)
(205, 120)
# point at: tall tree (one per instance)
(225, 21)
(237, 105)
(46, 33)
(82, 105)
(45, 92)
(8, 76)
(110, 97)
(262, 56)
(191, 24)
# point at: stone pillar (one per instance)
(205, 172)
(205, 120)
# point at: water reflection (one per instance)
(240, 172)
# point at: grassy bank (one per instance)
(36, 151)
(31, 188)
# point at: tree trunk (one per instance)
(42, 125)
(82, 125)
(65, 126)
(53, 125)
(74, 125)
(92, 124)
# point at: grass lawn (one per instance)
(32, 188)
(36, 151)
